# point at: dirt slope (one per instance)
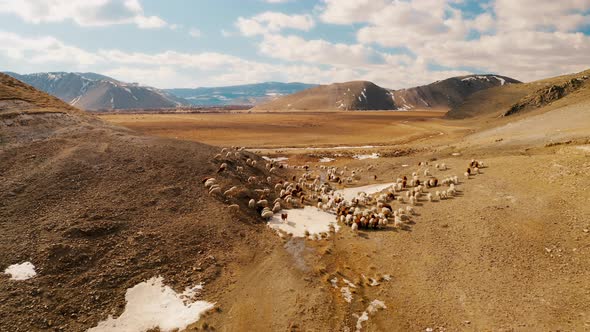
(98, 209)
(447, 93)
(356, 95)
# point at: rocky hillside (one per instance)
(92, 91)
(447, 93)
(248, 94)
(515, 99)
(550, 93)
(355, 95)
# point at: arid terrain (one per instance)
(100, 204)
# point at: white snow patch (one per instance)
(349, 283)
(502, 81)
(584, 148)
(350, 193)
(277, 159)
(405, 165)
(334, 282)
(386, 277)
(373, 155)
(310, 219)
(326, 160)
(375, 306)
(346, 294)
(22, 271)
(151, 304)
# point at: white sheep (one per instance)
(251, 179)
(252, 203)
(354, 227)
(209, 182)
(277, 207)
(262, 202)
(215, 191)
(231, 191)
(234, 207)
(429, 196)
(267, 214)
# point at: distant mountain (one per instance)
(363, 95)
(355, 95)
(91, 91)
(249, 94)
(447, 93)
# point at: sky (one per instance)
(393, 43)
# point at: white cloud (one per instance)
(44, 50)
(83, 13)
(294, 48)
(528, 39)
(196, 33)
(270, 22)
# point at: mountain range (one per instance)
(91, 91)
(248, 94)
(363, 95)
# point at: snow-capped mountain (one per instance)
(91, 91)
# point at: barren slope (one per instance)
(356, 95)
(98, 209)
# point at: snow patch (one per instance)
(374, 155)
(277, 159)
(151, 304)
(22, 271)
(326, 160)
(350, 193)
(375, 306)
(310, 219)
(346, 294)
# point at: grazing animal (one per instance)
(252, 204)
(222, 168)
(233, 207)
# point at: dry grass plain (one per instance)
(289, 129)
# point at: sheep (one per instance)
(252, 203)
(215, 191)
(228, 155)
(412, 200)
(354, 227)
(222, 168)
(476, 170)
(209, 182)
(269, 179)
(217, 156)
(251, 179)
(266, 214)
(240, 169)
(272, 170)
(278, 187)
(409, 209)
(234, 207)
(231, 191)
(224, 150)
(426, 172)
(262, 202)
(429, 196)
(277, 207)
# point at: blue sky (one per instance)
(399, 43)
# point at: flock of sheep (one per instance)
(364, 211)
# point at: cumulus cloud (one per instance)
(83, 13)
(294, 48)
(528, 39)
(271, 22)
